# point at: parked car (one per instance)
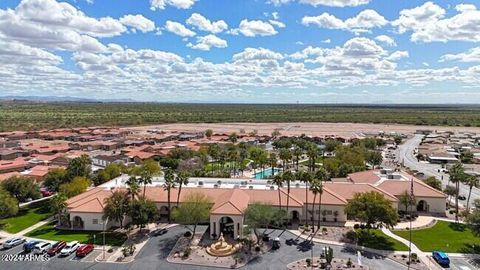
(441, 258)
(41, 247)
(70, 248)
(28, 246)
(56, 248)
(159, 232)
(83, 250)
(13, 242)
(46, 193)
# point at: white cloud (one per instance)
(138, 22)
(254, 28)
(472, 55)
(397, 55)
(327, 41)
(386, 40)
(204, 24)
(178, 29)
(428, 23)
(278, 24)
(180, 4)
(330, 3)
(207, 42)
(366, 19)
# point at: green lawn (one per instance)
(217, 166)
(378, 240)
(445, 236)
(48, 232)
(26, 217)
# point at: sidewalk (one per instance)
(423, 256)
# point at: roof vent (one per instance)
(272, 187)
(250, 187)
(215, 186)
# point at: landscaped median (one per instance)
(446, 236)
(26, 217)
(49, 232)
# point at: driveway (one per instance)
(153, 255)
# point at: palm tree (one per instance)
(277, 180)
(457, 175)
(132, 186)
(58, 205)
(472, 181)
(145, 179)
(297, 152)
(312, 153)
(285, 155)
(272, 161)
(181, 179)
(315, 188)
(287, 177)
(169, 184)
(233, 156)
(306, 177)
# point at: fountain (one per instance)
(221, 248)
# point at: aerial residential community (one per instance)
(241, 134)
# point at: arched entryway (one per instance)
(77, 222)
(163, 213)
(227, 226)
(422, 206)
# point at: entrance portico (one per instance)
(230, 226)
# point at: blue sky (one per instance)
(249, 51)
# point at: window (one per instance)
(95, 221)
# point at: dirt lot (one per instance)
(346, 130)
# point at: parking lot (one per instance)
(17, 255)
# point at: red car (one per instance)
(56, 248)
(83, 250)
(45, 192)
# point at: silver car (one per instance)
(13, 242)
(41, 247)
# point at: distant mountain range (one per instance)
(60, 99)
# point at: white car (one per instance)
(12, 242)
(41, 247)
(70, 248)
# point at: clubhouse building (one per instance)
(231, 197)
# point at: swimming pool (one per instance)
(266, 173)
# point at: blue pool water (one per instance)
(266, 173)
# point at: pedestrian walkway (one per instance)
(414, 249)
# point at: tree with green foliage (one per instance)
(168, 185)
(58, 205)
(233, 137)
(306, 178)
(473, 219)
(285, 155)
(110, 172)
(181, 179)
(8, 204)
(22, 188)
(375, 158)
(208, 133)
(80, 166)
(77, 186)
(433, 182)
(54, 178)
(331, 145)
(259, 215)
(297, 153)
(397, 139)
(288, 177)
(406, 199)
(312, 153)
(272, 161)
(194, 209)
(372, 208)
(471, 181)
(317, 189)
(467, 156)
(116, 207)
(143, 211)
(457, 176)
(133, 186)
(278, 181)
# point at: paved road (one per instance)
(153, 255)
(405, 154)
